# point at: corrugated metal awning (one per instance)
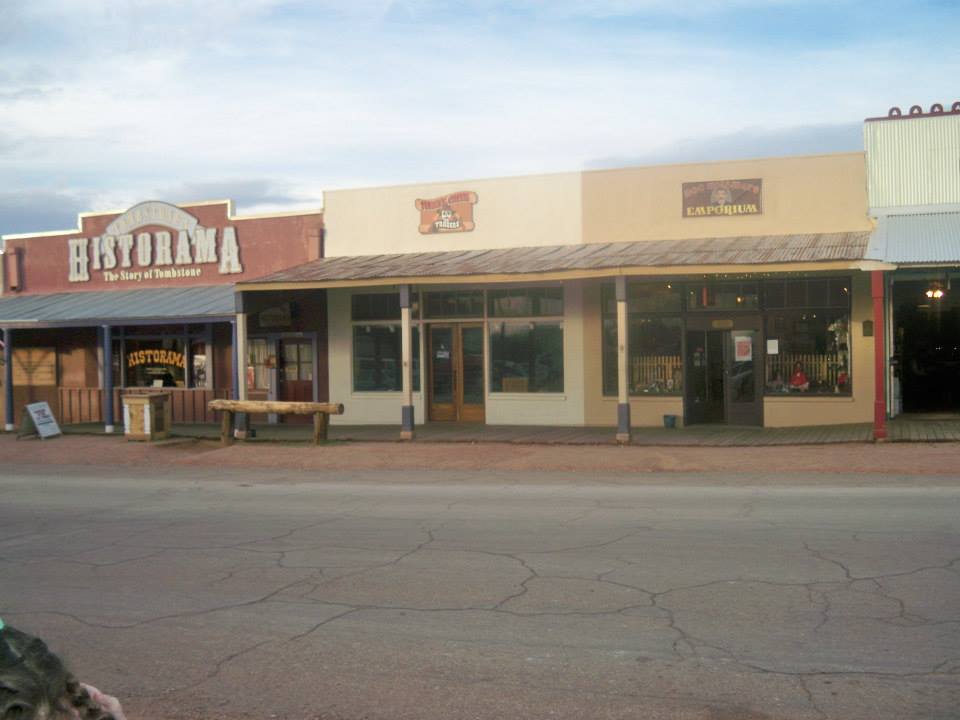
(121, 307)
(929, 238)
(743, 251)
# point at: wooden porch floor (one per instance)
(902, 429)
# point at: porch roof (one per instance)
(754, 253)
(924, 237)
(120, 307)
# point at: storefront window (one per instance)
(155, 363)
(378, 358)
(259, 363)
(526, 357)
(655, 358)
(808, 352)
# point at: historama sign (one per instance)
(448, 214)
(719, 198)
(128, 251)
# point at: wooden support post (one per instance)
(226, 427)
(319, 428)
(406, 353)
(623, 354)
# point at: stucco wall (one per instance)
(510, 212)
(810, 194)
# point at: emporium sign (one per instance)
(122, 254)
(448, 214)
(718, 198)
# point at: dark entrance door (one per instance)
(456, 373)
(926, 344)
(724, 382)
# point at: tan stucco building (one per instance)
(730, 292)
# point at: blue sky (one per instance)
(105, 103)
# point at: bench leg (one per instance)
(226, 428)
(319, 428)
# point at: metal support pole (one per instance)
(879, 357)
(8, 379)
(406, 351)
(623, 388)
(107, 379)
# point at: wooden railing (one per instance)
(655, 371)
(823, 370)
(187, 405)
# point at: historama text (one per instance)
(116, 255)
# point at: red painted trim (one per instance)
(879, 357)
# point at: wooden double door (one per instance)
(455, 372)
(724, 371)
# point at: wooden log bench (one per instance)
(320, 412)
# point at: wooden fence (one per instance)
(187, 405)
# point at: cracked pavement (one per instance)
(202, 593)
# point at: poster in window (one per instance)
(742, 348)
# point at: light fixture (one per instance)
(935, 291)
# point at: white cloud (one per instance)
(142, 98)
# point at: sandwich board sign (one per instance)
(40, 416)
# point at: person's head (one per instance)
(35, 685)
(798, 366)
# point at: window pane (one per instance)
(376, 306)
(775, 293)
(653, 297)
(796, 293)
(155, 363)
(526, 357)
(257, 378)
(723, 296)
(526, 302)
(454, 304)
(655, 363)
(610, 356)
(839, 292)
(198, 358)
(818, 292)
(377, 358)
(813, 352)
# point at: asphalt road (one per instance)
(201, 593)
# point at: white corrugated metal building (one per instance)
(913, 188)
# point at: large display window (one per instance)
(377, 349)
(806, 322)
(155, 363)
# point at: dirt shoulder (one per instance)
(937, 461)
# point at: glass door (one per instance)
(744, 400)
(456, 373)
(705, 377)
(724, 378)
(295, 374)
